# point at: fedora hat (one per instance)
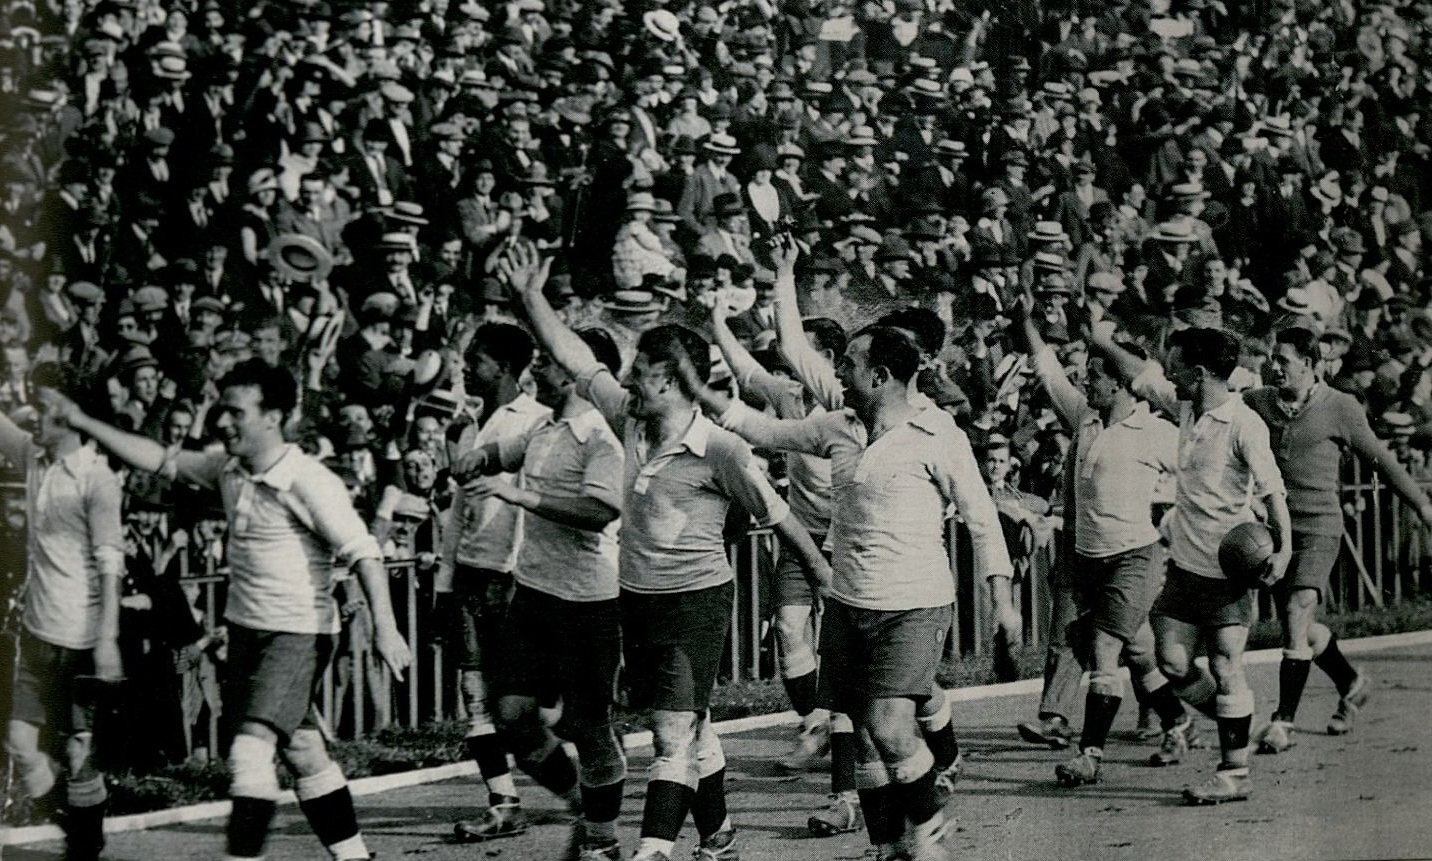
(641, 201)
(861, 136)
(726, 204)
(300, 258)
(263, 179)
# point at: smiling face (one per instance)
(245, 427)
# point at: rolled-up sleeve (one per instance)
(740, 478)
(326, 501)
(104, 513)
(1256, 448)
(959, 478)
(602, 464)
(810, 435)
(600, 386)
(1154, 387)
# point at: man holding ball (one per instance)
(1225, 461)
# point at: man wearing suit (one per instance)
(713, 178)
(377, 175)
(313, 216)
(732, 233)
(439, 171)
(833, 200)
(1071, 210)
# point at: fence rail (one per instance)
(1385, 560)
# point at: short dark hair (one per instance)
(669, 342)
(1302, 339)
(510, 346)
(278, 389)
(893, 350)
(827, 333)
(1213, 349)
(603, 346)
(925, 325)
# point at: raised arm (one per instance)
(1126, 364)
(526, 272)
(1068, 401)
(810, 369)
(140, 452)
(810, 435)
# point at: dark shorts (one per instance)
(880, 654)
(790, 587)
(1205, 602)
(1314, 557)
(483, 598)
(673, 643)
(1117, 591)
(566, 649)
(54, 687)
(272, 678)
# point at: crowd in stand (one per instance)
(331, 188)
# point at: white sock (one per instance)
(651, 845)
(352, 849)
(503, 784)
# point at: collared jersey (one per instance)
(75, 534)
(892, 499)
(1225, 461)
(1309, 447)
(568, 458)
(486, 532)
(287, 525)
(1115, 470)
(809, 476)
(675, 499)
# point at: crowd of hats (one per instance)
(1234, 166)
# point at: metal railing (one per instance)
(1385, 560)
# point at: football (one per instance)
(1244, 553)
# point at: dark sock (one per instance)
(489, 754)
(883, 819)
(1233, 732)
(1166, 705)
(84, 832)
(802, 692)
(555, 772)
(248, 827)
(1332, 662)
(602, 803)
(331, 816)
(667, 804)
(708, 809)
(917, 800)
(942, 744)
(1292, 677)
(1099, 712)
(842, 761)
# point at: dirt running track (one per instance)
(1367, 795)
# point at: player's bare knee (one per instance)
(306, 754)
(599, 754)
(79, 756)
(673, 733)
